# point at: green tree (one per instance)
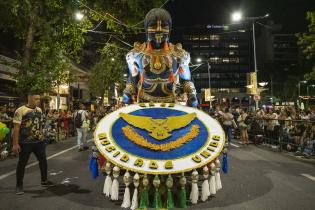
(107, 71)
(306, 42)
(51, 37)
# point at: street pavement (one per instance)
(258, 179)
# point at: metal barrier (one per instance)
(290, 135)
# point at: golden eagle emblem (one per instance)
(159, 128)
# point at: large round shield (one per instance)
(159, 138)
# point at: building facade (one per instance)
(224, 54)
(76, 91)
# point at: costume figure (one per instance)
(158, 70)
(155, 141)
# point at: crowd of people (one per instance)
(286, 127)
(59, 124)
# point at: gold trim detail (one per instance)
(147, 97)
(157, 64)
(166, 90)
(157, 80)
(141, 141)
(151, 89)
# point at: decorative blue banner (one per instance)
(159, 113)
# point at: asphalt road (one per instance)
(257, 179)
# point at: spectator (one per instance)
(243, 127)
(65, 121)
(271, 121)
(307, 141)
(81, 118)
(27, 138)
(3, 113)
(227, 119)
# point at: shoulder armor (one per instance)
(138, 47)
(177, 50)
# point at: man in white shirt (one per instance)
(81, 119)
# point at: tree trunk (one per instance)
(29, 42)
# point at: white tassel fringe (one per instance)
(135, 204)
(213, 187)
(205, 190)
(218, 181)
(115, 190)
(107, 186)
(126, 201)
(194, 193)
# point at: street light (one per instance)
(79, 16)
(238, 17)
(199, 60)
(263, 84)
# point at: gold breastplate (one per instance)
(157, 62)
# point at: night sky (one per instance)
(289, 13)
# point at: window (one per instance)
(204, 37)
(186, 37)
(204, 46)
(214, 37)
(233, 52)
(233, 45)
(195, 38)
(204, 54)
(214, 45)
(234, 60)
(225, 60)
(195, 46)
(215, 60)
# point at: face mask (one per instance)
(158, 32)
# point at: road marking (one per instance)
(234, 145)
(309, 176)
(35, 163)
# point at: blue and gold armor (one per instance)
(158, 70)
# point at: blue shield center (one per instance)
(159, 113)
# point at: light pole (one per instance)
(199, 60)
(299, 87)
(238, 17)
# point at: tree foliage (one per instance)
(108, 71)
(306, 42)
(51, 36)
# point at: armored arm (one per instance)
(185, 80)
(129, 91)
(132, 59)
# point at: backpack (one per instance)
(78, 120)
